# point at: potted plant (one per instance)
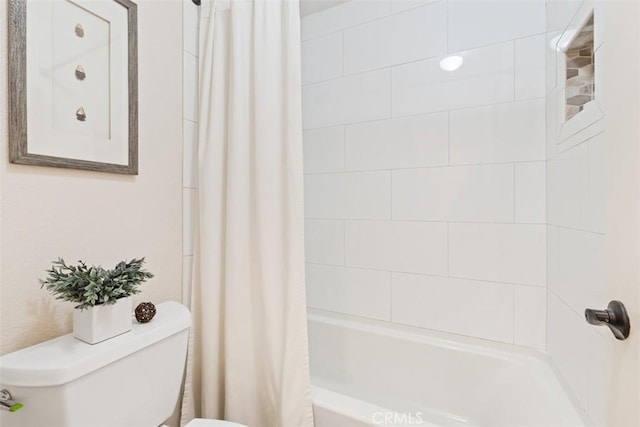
(102, 297)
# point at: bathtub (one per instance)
(367, 373)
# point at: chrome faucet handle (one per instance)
(614, 316)
(7, 403)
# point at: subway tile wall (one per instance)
(425, 189)
(191, 22)
(576, 224)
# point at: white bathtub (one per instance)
(367, 373)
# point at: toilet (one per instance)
(132, 380)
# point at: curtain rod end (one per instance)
(196, 2)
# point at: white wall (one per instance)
(425, 189)
(97, 217)
(576, 218)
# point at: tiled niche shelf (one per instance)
(580, 85)
(579, 99)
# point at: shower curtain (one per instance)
(250, 339)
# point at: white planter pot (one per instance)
(101, 322)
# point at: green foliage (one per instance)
(89, 286)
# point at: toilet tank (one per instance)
(131, 380)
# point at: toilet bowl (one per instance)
(133, 379)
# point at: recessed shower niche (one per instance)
(578, 70)
(580, 66)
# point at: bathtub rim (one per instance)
(511, 353)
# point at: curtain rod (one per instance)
(196, 2)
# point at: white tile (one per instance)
(342, 16)
(364, 195)
(531, 192)
(482, 309)
(598, 395)
(190, 27)
(581, 272)
(486, 77)
(552, 257)
(189, 154)
(347, 100)
(190, 85)
(398, 143)
(324, 241)
(567, 187)
(551, 125)
(551, 56)
(560, 12)
(511, 253)
(322, 58)
(481, 193)
(567, 339)
(530, 67)
(189, 197)
(416, 34)
(560, 69)
(187, 275)
(349, 290)
(596, 191)
(474, 23)
(324, 150)
(530, 317)
(413, 247)
(402, 5)
(508, 132)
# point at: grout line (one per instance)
(515, 71)
(569, 146)
(391, 297)
(414, 61)
(391, 92)
(514, 193)
(461, 165)
(343, 53)
(440, 276)
(448, 249)
(546, 316)
(448, 138)
(513, 320)
(359, 24)
(426, 113)
(564, 227)
(412, 10)
(418, 329)
(447, 25)
(344, 242)
(580, 315)
(391, 193)
(431, 221)
(356, 316)
(344, 148)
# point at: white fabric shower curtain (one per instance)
(250, 334)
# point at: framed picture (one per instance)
(73, 84)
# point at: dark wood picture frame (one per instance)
(18, 141)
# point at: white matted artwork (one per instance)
(73, 95)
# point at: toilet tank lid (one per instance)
(64, 359)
